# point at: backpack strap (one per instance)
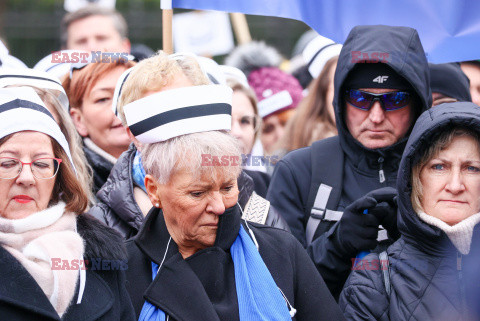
(383, 256)
(326, 186)
(256, 209)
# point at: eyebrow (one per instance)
(469, 161)
(7, 151)
(103, 89)
(15, 153)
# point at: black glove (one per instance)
(386, 212)
(357, 231)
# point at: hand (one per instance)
(386, 212)
(357, 231)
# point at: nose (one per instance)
(455, 184)
(236, 131)
(279, 129)
(26, 176)
(376, 114)
(216, 205)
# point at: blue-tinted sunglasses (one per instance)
(364, 100)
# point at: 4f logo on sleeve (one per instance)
(380, 79)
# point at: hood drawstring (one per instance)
(381, 173)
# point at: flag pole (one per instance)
(240, 27)
(167, 15)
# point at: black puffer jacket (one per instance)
(100, 166)
(118, 208)
(116, 205)
(292, 186)
(430, 279)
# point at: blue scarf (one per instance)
(138, 173)
(259, 299)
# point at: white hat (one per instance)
(58, 63)
(180, 111)
(22, 109)
(318, 52)
(31, 77)
(234, 73)
(7, 61)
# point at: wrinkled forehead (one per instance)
(186, 174)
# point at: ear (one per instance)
(134, 140)
(153, 189)
(79, 121)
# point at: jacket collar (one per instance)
(153, 237)
(176, 282)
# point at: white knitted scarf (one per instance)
(40, 239)
(460, 234)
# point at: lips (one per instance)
(454, 201)
(23, 199)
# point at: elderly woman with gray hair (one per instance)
(194, 257)
(431, 272)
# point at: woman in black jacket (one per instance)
(55, 263)
(431, 267)
(195, 258)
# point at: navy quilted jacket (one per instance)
(430, 279)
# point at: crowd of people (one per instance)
(147, 186)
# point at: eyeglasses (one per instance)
(42, 168)
(390, 101)
(249, 122)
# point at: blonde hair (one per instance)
(440, 143)
(156, 72)
(312, 120)
(250, 94)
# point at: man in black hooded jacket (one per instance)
(381, 87)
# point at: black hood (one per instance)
(450, 80)
(400, 48)
(428, 126)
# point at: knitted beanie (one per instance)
(275, 90)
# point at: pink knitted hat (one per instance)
(275, 90)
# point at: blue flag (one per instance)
(449, 29)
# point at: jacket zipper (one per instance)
(381, 173)
(462, 285)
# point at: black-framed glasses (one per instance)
(42, 168)
(364, 100)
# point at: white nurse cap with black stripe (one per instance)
(36, 78)
(180, 111)
(21, 109)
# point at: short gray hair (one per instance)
(439, 143)
(118, 20)
(194, 152)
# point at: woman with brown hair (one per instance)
(46, 240)
(90, 90)
(50, 90)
